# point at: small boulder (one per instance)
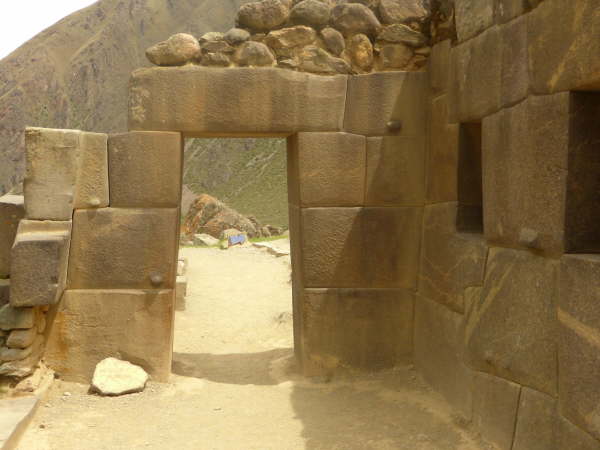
(21, 338)
(398, 33)
(211, 36)
(402, 11)
(236, 36)
(262, 16)
(334, 40)
(360, 50)
(114, 377)
(254, 54)
(353, 18)
(205, 240)
(316, 60)
(178, 50)
(282, 41)
(313, 13)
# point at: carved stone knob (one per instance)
(94, 202)
(394, 125)
(156, 279)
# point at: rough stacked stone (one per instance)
(311, 36)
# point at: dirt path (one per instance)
(234, 384)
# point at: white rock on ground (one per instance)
(115, 377)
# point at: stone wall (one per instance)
(506, 323)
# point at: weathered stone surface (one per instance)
(395, 56)
(113, 377)
(14, 354)
(476, 77)
(507, 10)
(4, 292)
(235, 101)
(328, 169)
(236, 36)
(21, 338)
(515, 62)
(450, 261)
(12, 210)
(205, 240)
(211, 36)
(262, 16)
(378, 98)
(536, 422)
(40, 257)
(334, 40)
(353, 18)
(254, 54)
(512, 330)
(92, 325)
(403, 34)
(525, 154)
(360, 50)
(439, 67)
(145, 169)
(214, 47)
(180, 293)
(284, 41)
(215, 60)
(442, 158)
(395, 171)
(361, 247)
(579, 339)
(563, 46)
(495, 404)
(51, 173)
(16, 318)
(15, 415)
(316, 60)
(439, 353)
(313, 13)
(123, 249)
(401, 11)
(178, 50)
(91, 190)
(573, 438)
(472, 17)
(360, 328)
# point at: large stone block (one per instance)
(579, 342)
(525, 156)
(515, 61)
(51, 173)
(495, 404)
(564, 46)
(91, 325)
(91, 190)
(442, 158)
(361, 247)
(450, 261)
(511, 330)
(439, 353)
(395, 171)
(12, 211)
(40, 257)
(145, 169)
(536, 422)
(204, 101)
(360, 328)
(439, 67)
(327, 169)
(114, 248)
(472, 17)
(374, 100)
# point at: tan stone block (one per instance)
(12, 210)
(442, 157)
(511, 330)
(536, 422)
(242, 101)
(361, 247)
(359, 328)
(573, 438)
(439, 67)
(12, 318)
(450, 261)
(495, 403)
(145, 169)
(472, 17)
(578, 357)
(91, 325)
(91, 190)
(439, 353)
(52, 160)
(515, 61)
(124, 249)
(395, 171)
(564, 46)
(374, 100)
(330, 168)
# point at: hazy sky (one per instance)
(20, 20)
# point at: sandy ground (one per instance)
(235, 386)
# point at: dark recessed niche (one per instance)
(582, 212)
(469, 216)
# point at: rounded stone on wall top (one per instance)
(402, 11)
(254, 54)
(178, 50)
(354, 18)
(313, 13)
(236, 36)
(262, 16)
(334, 40)
(399, 33)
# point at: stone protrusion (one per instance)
(12, 210)
(178, 50)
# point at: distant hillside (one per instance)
(75, 73)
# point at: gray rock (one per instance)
(205, 240)
(284, 41)
(211, 36)
(217, 47)
(402, 11)
(399, 33)
(14, 354)
(16, 318)
(395, 56)
(21, 338)
(353, 18)
(215, 59)
(262, 16)
(334, 40)
(311, 12)
(236, 36)
(254, 54)
(316, 60)
(114, 377)
(178, 50)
